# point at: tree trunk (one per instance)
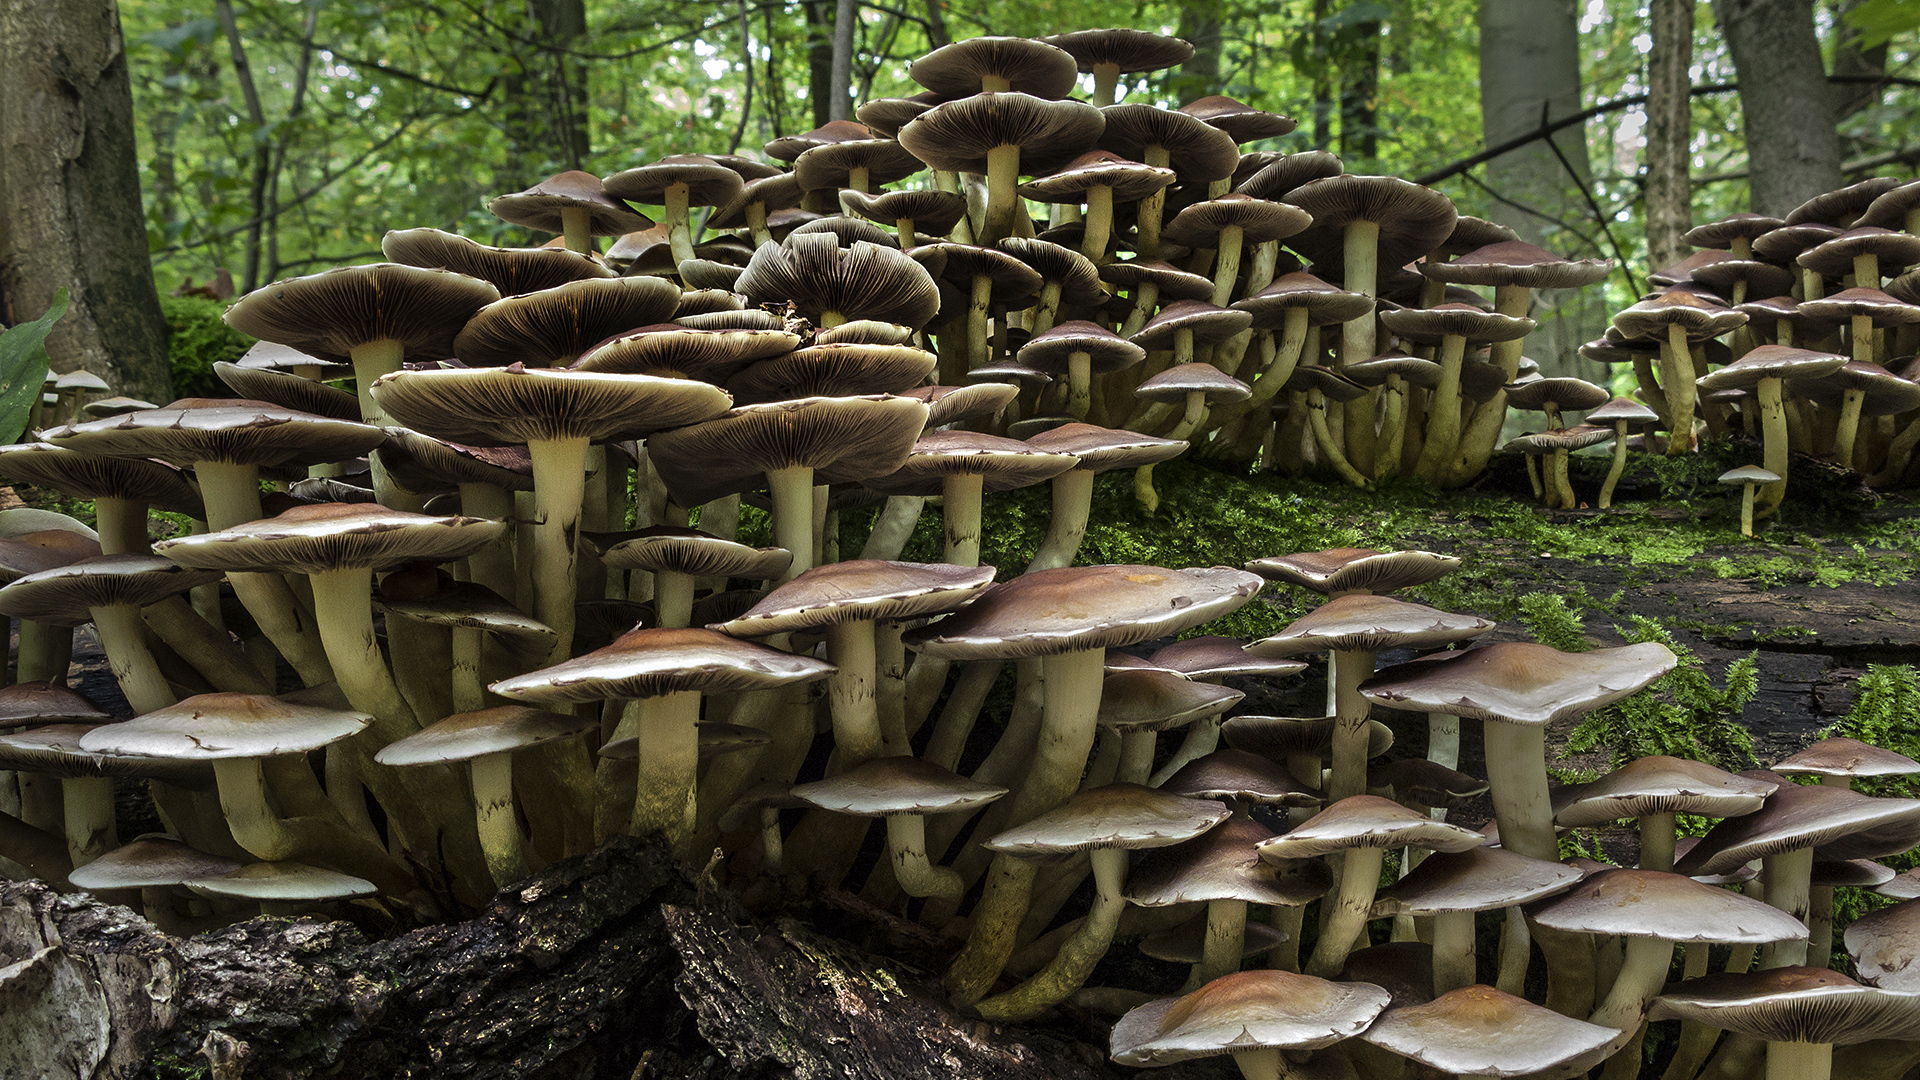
(1669, 131)
(70, 212)
(840, 87)
(819, 61)
(605, 967)
(1850, 59)
(1200, 75)
(1793, 151)
(1530, 73)
(1360, 96)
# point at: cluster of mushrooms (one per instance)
(480, 568)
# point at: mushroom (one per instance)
(1256, 1016)
(1748, 477)
(903, 790)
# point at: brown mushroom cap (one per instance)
(1846, 824)
(863, 281)
(282, 882)
(1371, 623)
(1077, 608)
(1132, 51)
(469, 735)
(1156, 700)
(1212, 656)
(289, 390)
(1271, 176)
(1770, 362)
(1172, 282)
(1200, 225)
(91, 476)
(1207, 323)
(1841, 206)
(1722, 233)
(1659, 785)
(1238, 119)
(149, 862)
(1027, 65)
(842, 439)
(1413, 219)
(1116, 815)
(514, 405)
(1516, 262)
(31, 703)
(204, 429)
(67, 595)
(1431, 325)
(1198, 151)
(539, 206)
(1699, 316)
(1841, 756)
(1793, 1004)
(55, 750)
(1239, 776)
(1177, 383)
(1884, 945)
(1367, 821)
(1480, 1031)
(689, 551)
(1244, 1011)
(510, 270)
(1337, 571)
(1518, 682)
(883, 786)
(828, 167)
(330, 313)
(652, 662)
(468, 605)
(1476, 879)
(1279, 736)
(1130, 181)
(860, 589)
(1100, 449)
(209, 727)
(1563, 392)
(1224, 863)
(709, 183)
(329, 536)
(1671, 907)
(958, 135)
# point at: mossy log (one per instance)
(610, 966)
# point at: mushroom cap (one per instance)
(1423, 782)
(1431, 325)
(861, 281)
(958, 135)
(708, 182)
(1840, 756)
(1519, 682)
(210, 727)
(1105, 350)
(1516, 262)
(1114, 816)
(884, 116)
(860, 589)
(1884, 946)
(539, 207)
(93, 476)
(1367, 821)
(1259, 220)
(675, 351)
(1476, 879)
(1480, 1031)
(1177, 383)
(1246, 1010)
(115, 406)
(1670, 907)
(1129, 180)
(514, 405)
(421, 462)
(1224, 863)
(1771, 362)
(1078, 608)
(1028, 65)
(934, 213)
(651, 662)
(1338, 571)
(680, 550)
(510, 270)
(332, 536)
(1152, 699)
(1074, 273)
(1760, 278)
(1101, 449)
(1842, 205)
(32, 703)
(1720, 234)
(470, 605)
(1846, 824)
(1699, 316)
(282, 882)
(1207, 323)
(789, 147)
(1171, 282)
(149, 862)
(1003, 464)
(67, 595)
(554, 326)
(1131, 51)
(1659, 785)
(841, 438)
(1793, 1004)
(1883, 309)
(883, 786)
(1238, 119)
(845, 230)
(952, 404)
(1280, 736)
(331, 313)
(1364, 622)
(1237, 775)
(468, 735)
(1212, 656)
(1749, 474)
(208, 429)
(1562, 392)
(1413, 219)
(1325, 304)
(1197, 151)
(830, 166)
(833, 370)
(289, 390)
(55, 750)
(1271, 176)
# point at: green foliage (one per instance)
(1683, 714)
(23, 367)
(1553, 622)
(1885, 713)
(197, 340)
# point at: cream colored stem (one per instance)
(907, 848)
(342, 604)
(669, 770)
(1077, 957)
(1453, 953)
(791, 490)
(232, 495)
(124, 637)
(559, 484)
(961, 494)
(88, 811)
(500, 837)
(210, 650)
(1352, 902)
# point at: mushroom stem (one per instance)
(672, 598)
(979, 313)
(1788, 877)
(1079, 384)
(1099, 224)
(232, 496)
(1078, 955)
(961, 494)
(1148, 215)
(1799, 1061)
(1642, 975)
(45, 653)
(345, 614)
(1443, 412)
(1330, 447)
(1657, 838)
(893, 527)
(1351, 667)
(1619, 464)
(1746, 508)
(500, 837)
(210, 650)
(1773, 441)
(559, 485)
(1226, 267)
(850, 693)
(1517, 772)
(1106, 79)
(962, 709)
(1848, 430)
(1453, 955)
(1482, 435)
(1220, 948)
(1348, 910)
(124, 637)
(1676, 360)
(1003, 177)
(122, 525)
(576, 228)
(87, 805)
(907, 848)
(265, 835)
(679, 232)
(669, 769)
(1066, 736)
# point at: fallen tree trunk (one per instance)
(607, 967)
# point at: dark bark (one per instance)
(1669, 193)
(1200, 75)
(1360, 95)
(840, 82)
(70, 214)
(1787, 108)
(819, 60)
(605, 967)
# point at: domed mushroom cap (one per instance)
(1578, 437)
(1247, 1010)
(421, 462)
(829, 167)
(860, 589)
(1519, 682)
(1074, 273)
(1659, 785)
(283, 882)
(1749, 474)
(1171, 282)
(1213, 656)
(708, 182)
(1884, 392)
(1338, 571)
(649, 663)
(789, 147)
(514, 405)
(1793, 1004)
(1850, 873)
(934, 213)
(965, 68)
(1150, 699)
(1367, 821)
(41, 550)
(1076, 608)
(1699, 316)
(833, 370)
(1003, 464)
(841, 438)
(1224, 863)
(469, 605)
(1845, 823)
(1480, 1031)
(1131, 181)
(539, 206)
(114, 406)
(33, 703)
(1771, 362)
(1325, 303)
(1722, 233)
(1885, 944)
(1178, 382)
(1371, 623)
(289, 390)
(896, 785)
(212, 429)
(1205, 321)
(1842, 205)
(845, 230)
(149, 862)
(332, 536)
(1201, 224)
(1882, 308)
(1841, 756)
(1277, 737)
(1564, 393)
(952, 404)
(1115, 816)
(1423, 782)
(1129, 50)
(690, 551)
(1477, 879)
(330, 313)
(553, 326)
(209, 727)
(1431, 325)
(863, 281)
(469, 735)
(958, 135)
(1238, 775)
(1238, 119)
(510, 270)
(1516, 262)
(67, 595)
(55, 750)
(1671, 907)
(92, 476)
(1101, 449)
(674, 351)
(1198, 152)
(1413, 219)
(1271, 175)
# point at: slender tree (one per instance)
(1669, 130)
(1793, 149)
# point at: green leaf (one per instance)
(23, 367)
(1880, 20)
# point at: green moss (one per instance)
(1683, 714)
(198, 339)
